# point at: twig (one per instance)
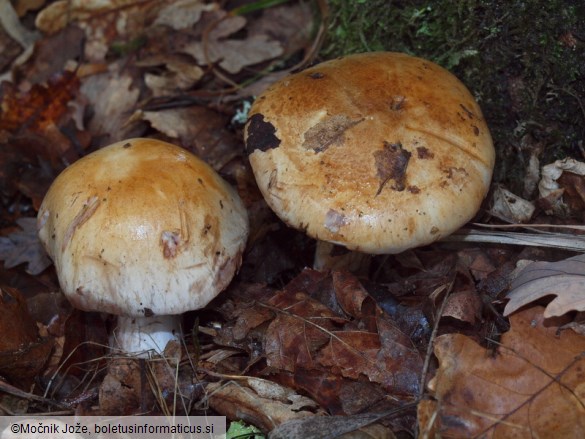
(429, 354)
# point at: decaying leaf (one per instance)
(240, 400)
(182, 14)
(511, 207)
(113, 99)
(198, 129)
(532, 386)
(134, 386)
(564, 279)
(24, 247)
(391, 163)
(355, 341)
(327, 132)
(550, 189)
(346, 427)
(40, 108)
(22, 352)
(233, 54)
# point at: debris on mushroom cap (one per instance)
(378, 152)
(142, 228)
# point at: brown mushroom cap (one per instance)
(142, 228)
(379, 152)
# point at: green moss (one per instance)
(524, 61)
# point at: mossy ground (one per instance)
(524, 62)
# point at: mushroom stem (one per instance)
(139, 335)
(329, 256)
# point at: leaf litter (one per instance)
(285, 345)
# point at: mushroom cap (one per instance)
(142, 228)
(378, 152)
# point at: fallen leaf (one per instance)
(549, 188)
(199, 130)
(141, 386)
(240, 400)
(24, 247)
(309, 335)
(362, 426)
(328, 132)
(39, 109)
(23, 6)
(113, 98)
(180, 74)
(112, 18)
(182, 14)
(510, 207)
(9, 50)
(22, 352)
(51, 54)
(532, 386)
(233, 54)
(391, 164)
(564, 279)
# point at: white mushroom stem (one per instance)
(140, 335)
(355, 262)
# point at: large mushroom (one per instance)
(377, 152)
(144, 230)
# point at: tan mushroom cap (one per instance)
(379, 152)
(142, 228)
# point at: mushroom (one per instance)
(144, 230)
(377, 152)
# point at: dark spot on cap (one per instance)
(127, 145)
(475, 130)
(413, 189)
(391, 164)
(148, 312)
(261, 135)
(316, 75)
(468, 112)
(328, 132)
(397, 103)
(424, 153)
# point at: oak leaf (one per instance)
(564, 279)
(532, 386)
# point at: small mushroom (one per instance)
(377, 152)
(144, 230)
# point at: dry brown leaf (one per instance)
(239, 400)
(41, 108)
(181, 74)
(564, 279)
(113, 99)
(309, 335)
(463, 305)
(533, 386)
(24, 247)
(360, 426)
(510, 207)
(103, 21)
(233, 54)
(22, 353)
(550, 189)
(200, 130)
(182, 14)
(23, 6)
